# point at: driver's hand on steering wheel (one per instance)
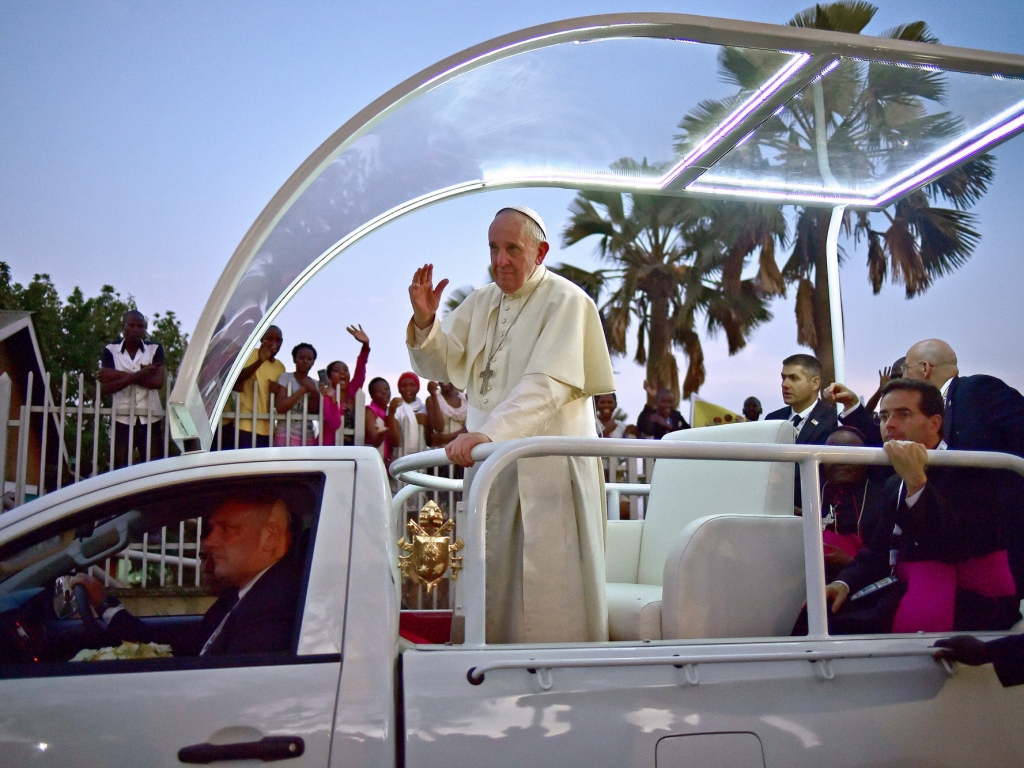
(93, 588)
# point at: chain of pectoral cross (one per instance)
(486, 374)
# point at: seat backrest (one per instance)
(734, 576)
(684, 489)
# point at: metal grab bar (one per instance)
(430, 482)
(497, 456)
(418, 482)
(666, 449)
(629, 489)
(475, 675)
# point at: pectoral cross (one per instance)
(485, 376)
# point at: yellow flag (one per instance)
(707, 414)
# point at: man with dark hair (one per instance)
(132, 370)
(939, 536)
(851, 499)
(813, 419)
(751, 409)
(657, 421)
(248, 540)
(801, 382)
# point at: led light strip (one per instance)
(551, 176)
(937, 169)
(988, 132)
(778, 195)
(759, 97)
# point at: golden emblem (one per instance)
(430, 550)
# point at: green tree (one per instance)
(166, 331)
(857, 119)
(71, 335)
(675, 262)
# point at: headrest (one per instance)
(780, 431)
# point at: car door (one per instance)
(162, 711)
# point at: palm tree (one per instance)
(674, 261)
(858, 117)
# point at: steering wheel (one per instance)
(89, 623)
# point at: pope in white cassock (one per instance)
(530, 352)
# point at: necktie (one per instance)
(230, 601)
(797, 418)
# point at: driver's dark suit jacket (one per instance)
(261, 622)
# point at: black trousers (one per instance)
(227, 439)
(139, 434)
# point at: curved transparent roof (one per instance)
(658, 103)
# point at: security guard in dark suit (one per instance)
(813, 419)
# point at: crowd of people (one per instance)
(395, 426)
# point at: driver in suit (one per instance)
(249, 549)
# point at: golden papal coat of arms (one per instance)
(430, 549)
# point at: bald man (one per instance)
(248, 544)
(983, 413)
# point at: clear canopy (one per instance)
(661, 103)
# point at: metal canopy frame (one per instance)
(231, 325)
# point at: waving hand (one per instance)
(424, 296)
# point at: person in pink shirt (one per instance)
(340, 391)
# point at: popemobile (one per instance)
(703, 592)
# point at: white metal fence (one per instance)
(61, 436)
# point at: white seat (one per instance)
(634, 611)
(683, 490)
(735, 576)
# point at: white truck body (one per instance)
(358, 696)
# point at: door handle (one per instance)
(266, 749)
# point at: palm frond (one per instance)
(966, 184)
(845, 16)
(456, 297)
(916, 31)
(806, 330)
(591, 282)
(748, 68)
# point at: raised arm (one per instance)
(263, 354)
(884, 377)
(434, 416)
(359, 374)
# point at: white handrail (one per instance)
(475, 675)
(497, 456)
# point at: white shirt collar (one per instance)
(942, 446)
(244, 590)
(804, 413)
(945, 387)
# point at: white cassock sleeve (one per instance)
(530, 405)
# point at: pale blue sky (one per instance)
(138, 142)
